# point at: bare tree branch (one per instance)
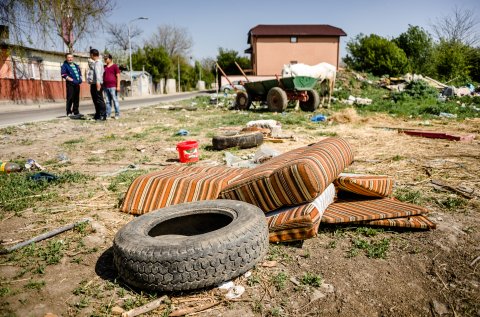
(118, 35)
(174, 39)
(460, 26)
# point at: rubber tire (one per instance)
(277, 100)
(180, 262)
(242, 141)
(242, 100)
(312, 103)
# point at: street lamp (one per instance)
(130, 49)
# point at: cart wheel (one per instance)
(312, 103)
(242, 101)
(277, 99)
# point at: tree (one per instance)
(418, 46)
(71, 20)
(174, 39)
(474, 63)
(155, 60)
(460, 26)
(376, 55)
(227, 58)
(451, 64)
(119, 35)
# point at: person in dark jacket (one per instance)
(73, 78)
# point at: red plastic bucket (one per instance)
(188, 151)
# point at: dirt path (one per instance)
(423, 273)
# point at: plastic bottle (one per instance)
(8, 167)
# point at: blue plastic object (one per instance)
(182, 132)
(318, 118)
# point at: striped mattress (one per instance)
(413, 222)
(364, 208)
(365, 185)
(292, 178)
(299, 222)
(175, 185)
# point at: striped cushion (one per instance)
(299, 222)
(292, 178)
(176, 184)
(366, 185)
(358, 209)
(413, 222)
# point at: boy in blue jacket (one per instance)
(73, 78)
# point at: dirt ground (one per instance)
(423, 273)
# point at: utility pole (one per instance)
(178, 63)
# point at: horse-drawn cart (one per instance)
(277, 92)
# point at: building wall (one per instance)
(23, 90)
(273, 52)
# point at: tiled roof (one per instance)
(295, 29)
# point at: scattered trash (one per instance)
(62, 158)
(447, 115)
(226, 285)
(43, 176)
(188, 151)
(9, 167)
(357, 100)
(43, 236)
(269, 264)
(264, 153)
(318, 118)
(294, 281)
(31, 164)
(235, 292)
(182, 132)
(247, 274)
(140, 148)
(466, 192)
(439, 135)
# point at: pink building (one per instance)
(272, 46)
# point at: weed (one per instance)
(35, 285)
(409, 195)
(257, 307)
(8, 130)
(279, 281)
(5, 291)
(327, 133)
(332, 244)
(82, 303)
(52, 253)
(93, 159)
(253, 280)
(81, 227)
(124, 179)
(107, 137)
(311, 279)
(375, 250)
(397, 158)
(74, 141)
(453, 202)
(40, 269)
(368, 232)
(277, 252)
(275, 312)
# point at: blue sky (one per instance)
(214, 23)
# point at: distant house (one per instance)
(272, 46)
(142, 83)
(34, 74)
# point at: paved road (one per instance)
(52, 112)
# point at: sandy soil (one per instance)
(430, 273)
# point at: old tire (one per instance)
(277, 99)
(242, 100)
(191, 246)
(243, 140)
(312, 103)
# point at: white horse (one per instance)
(324, 72)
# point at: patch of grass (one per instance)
(327, 133)
(121, 181)
(4, 291)
(397, 158)
(408, 195)
(311, 279)
(108, 137)
(74, 141)
(20, 192)
(8, 130)
(368, 232)
(275, 312)
(253, 280)
(279, 281)
(375, 250)
(277, 253)
(37, 285)
(332, 244)
(453, 202)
